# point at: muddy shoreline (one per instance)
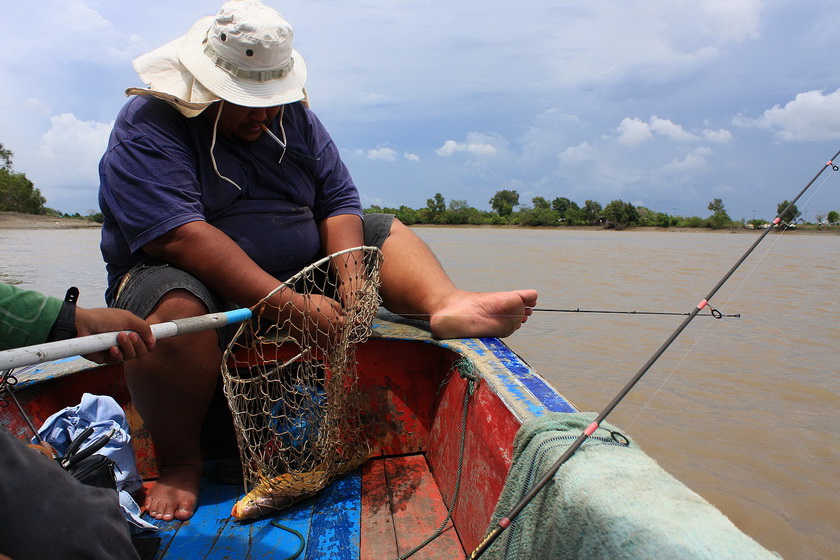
(15, 220)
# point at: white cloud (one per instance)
(69, 153)
(720, 136)
(383, 153)
(692, 162)
(450, 147)
(670, 130)
(577, 154)
(477, 144)
(80, 19)
(810, 116)
(632, 132)
(386, 154)
(551, 131)
(38, 106)
(732, 20)
(70, 31)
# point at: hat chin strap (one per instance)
(213, 146)
(215, 134)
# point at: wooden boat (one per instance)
(413, 408)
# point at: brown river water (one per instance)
(745, 411)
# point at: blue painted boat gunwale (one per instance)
(526, 394)
(32, 375)
(518, 382)
(539, 387)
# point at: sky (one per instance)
(666, 104)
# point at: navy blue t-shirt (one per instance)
(157, 174)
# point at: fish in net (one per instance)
(289, 376)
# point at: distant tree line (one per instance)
(18, 194)
(561, 211)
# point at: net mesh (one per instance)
(290, 380)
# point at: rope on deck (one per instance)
(467, 370)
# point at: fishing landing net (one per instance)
(290, 382)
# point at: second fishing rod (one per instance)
(714, 312)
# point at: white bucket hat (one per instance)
(243, 55)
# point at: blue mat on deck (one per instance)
(608, 501)
(328, 522)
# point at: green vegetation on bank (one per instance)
(18, 194)
(561, 211)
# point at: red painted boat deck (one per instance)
(412, 411)
(378, 512)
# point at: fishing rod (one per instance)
(505, 522)
(714, 312)
(82, 345)
(38, 353)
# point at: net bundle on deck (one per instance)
(290, 380)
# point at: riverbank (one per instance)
(15, 220)
(801, 230)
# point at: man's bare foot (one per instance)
(175, 493)
(473, 314)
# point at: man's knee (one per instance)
(177, 304)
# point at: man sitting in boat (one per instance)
(217, 184)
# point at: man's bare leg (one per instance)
(172, 388)
(414, 283)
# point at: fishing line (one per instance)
(505, 522)
(728, 301)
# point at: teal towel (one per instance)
(609, 501)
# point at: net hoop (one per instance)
(289, 377)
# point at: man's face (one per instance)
(242, 124)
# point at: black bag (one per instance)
(96, 470)
(88, 467)
(93, 469)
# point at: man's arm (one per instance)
(214, 258)
(341, 232)
(338, 233)
(26, 316)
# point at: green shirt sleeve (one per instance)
(26, 317)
